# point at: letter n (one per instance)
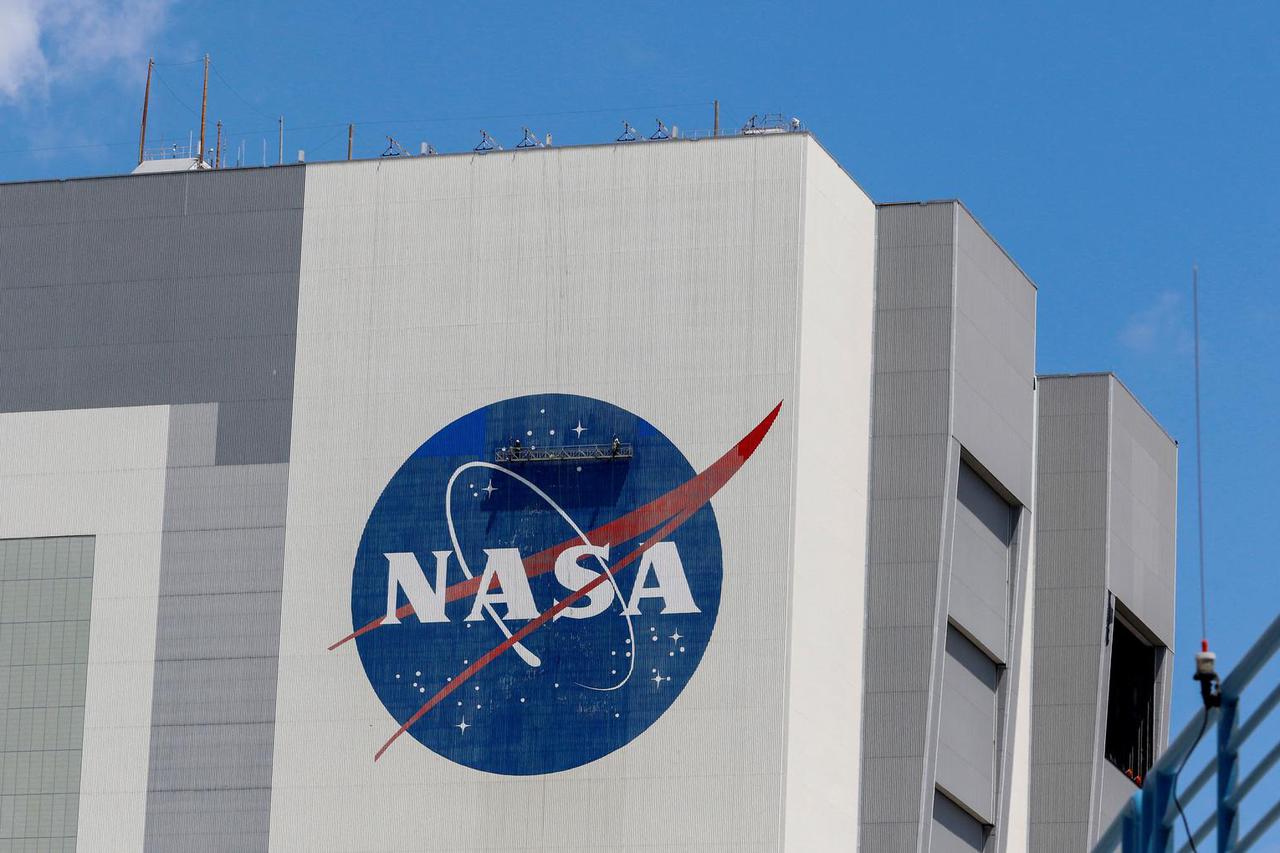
(403, 572)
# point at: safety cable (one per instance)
(1204, 723)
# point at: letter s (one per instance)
(574, 576)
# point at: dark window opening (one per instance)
(1131, 703)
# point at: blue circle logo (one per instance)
(538, 582)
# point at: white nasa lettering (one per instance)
(662, 560)
(404, 572)
(573, 576)
(504, 564)
(673, 586)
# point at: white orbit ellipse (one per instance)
(523, 651)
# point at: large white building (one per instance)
(648, 496)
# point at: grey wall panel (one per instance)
(201, 817)
(1116, 791)
(253, 432)
(980, 563)
(226, 497)
(927, 224)
(967, 730)
(912, 403)
(1070, 609)
(994, 357)
(217, 647)
(211, 562)
(155, 289)
(1075, 551)
(911, 453)
(1141, 569)
(1105, 525)
(954, 829)
(953, 372)
(912, 339)
(193, 434)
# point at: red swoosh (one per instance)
(621, 529)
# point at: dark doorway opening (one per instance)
(1131, 702)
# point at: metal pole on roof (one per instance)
(715, 127)
(204, 103)
(217, 149)
(351, 135)
(281, 162)
(146, 100)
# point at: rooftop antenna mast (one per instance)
(146, 99)
(204, 103)
(1206, 671)
(1195, 320)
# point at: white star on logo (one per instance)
(579, 429)
(676, 636)
(657, 680)
(489, 489)
(463, 726)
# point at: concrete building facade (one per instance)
(650, 496)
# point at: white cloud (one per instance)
(43, 42)
(1161, 327)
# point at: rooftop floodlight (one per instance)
(628, 133)
(487, 143)
(394, 149)
(661, 132)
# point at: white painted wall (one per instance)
(824, 702)
(662, 278)
(101, 472)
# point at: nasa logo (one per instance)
(538, 582)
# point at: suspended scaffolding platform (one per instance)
(577, 452)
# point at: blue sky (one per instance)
(1106, 146)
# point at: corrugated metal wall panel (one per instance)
(217, 641)
(1142, 536)
(155, 289)
(909, 474)
(994, 358)
(1070, 606)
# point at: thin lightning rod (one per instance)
(1195, 319)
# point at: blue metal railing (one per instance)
(1146, 825)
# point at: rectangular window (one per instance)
(954, 829)
(981, 561)
(967, 726)
(45, 590)
(1131, 701)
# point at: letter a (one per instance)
(673, 586)
(403, 572)
(506, 566)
